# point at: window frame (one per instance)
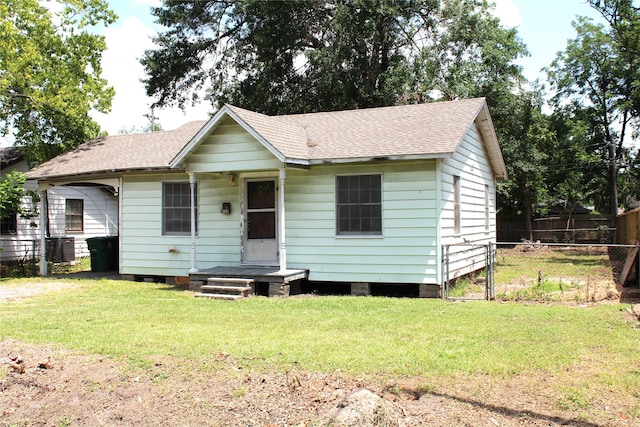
(164, 208)
(457, 210)
(9, 225)
(487, 213)
(70, 218)
(378, 205)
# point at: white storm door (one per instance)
(260, 233)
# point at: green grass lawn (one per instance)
(357, 335)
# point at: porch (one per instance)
(279, 282)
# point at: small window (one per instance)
(359, 205)
(456, 205)
(9, 224)
(74, 215)
(486, 208)
(176, 208)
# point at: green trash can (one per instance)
(104, 253)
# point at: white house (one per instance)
(362, 196)
(76, 212)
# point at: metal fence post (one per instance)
(445, 271)
(33, 257)
(490, 279)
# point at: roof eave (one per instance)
(103, 172)
(485, 124)
(369, 159)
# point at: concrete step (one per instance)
(225, 289)
(230, 297)
(229, 281)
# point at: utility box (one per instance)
(104, 253)
(61, 249)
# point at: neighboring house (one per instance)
(363, 196)
(76, 212)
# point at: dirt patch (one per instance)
(15, 293)
(62, 388)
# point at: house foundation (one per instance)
(429, 291)
(360, 289)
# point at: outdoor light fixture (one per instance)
(232, 179)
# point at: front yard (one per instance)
(126, 353)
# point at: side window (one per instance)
(74, 215)
(9, 224)
(486, 208)
(456, 205)
(359, 205)
(176, 208)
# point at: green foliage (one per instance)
(285, 57)
(12, 192)
(50, 74)
(593, 89)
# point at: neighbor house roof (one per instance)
(10, 156)
(127, 152)
(397, 133)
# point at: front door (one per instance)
(260, 232)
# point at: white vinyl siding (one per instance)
(100, 218)
(405, 253)
(231, 148)
(145, 251)
(477, 202)
(100, 214)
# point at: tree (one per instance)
(50, 74)
(285, 56)
(593, 86)
(11, 194)
(526, 141)
(623, 18)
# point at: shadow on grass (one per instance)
(171, 288)
(514, 414)
(629, 295)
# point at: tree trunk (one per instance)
(613, 180)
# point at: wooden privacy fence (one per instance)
(628, 227)
(576, 228)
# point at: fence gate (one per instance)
(468, 271)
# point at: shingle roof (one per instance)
(420, 129)
(10, 156)
(143, 151)
(401, 132)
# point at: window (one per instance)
(456, 205)
(486, 207)
(359, 205)
(74, 215)
(9, 224)
(176, 208)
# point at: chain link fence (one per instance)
(545, 272)
(19, 257)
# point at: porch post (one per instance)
(281, 222)
(44, 213)
(192, 187)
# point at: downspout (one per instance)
(192, 187)
(282, 223)
(44, 225)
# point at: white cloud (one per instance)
(508, 13)
(126, 44)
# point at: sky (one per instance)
(543, 25)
